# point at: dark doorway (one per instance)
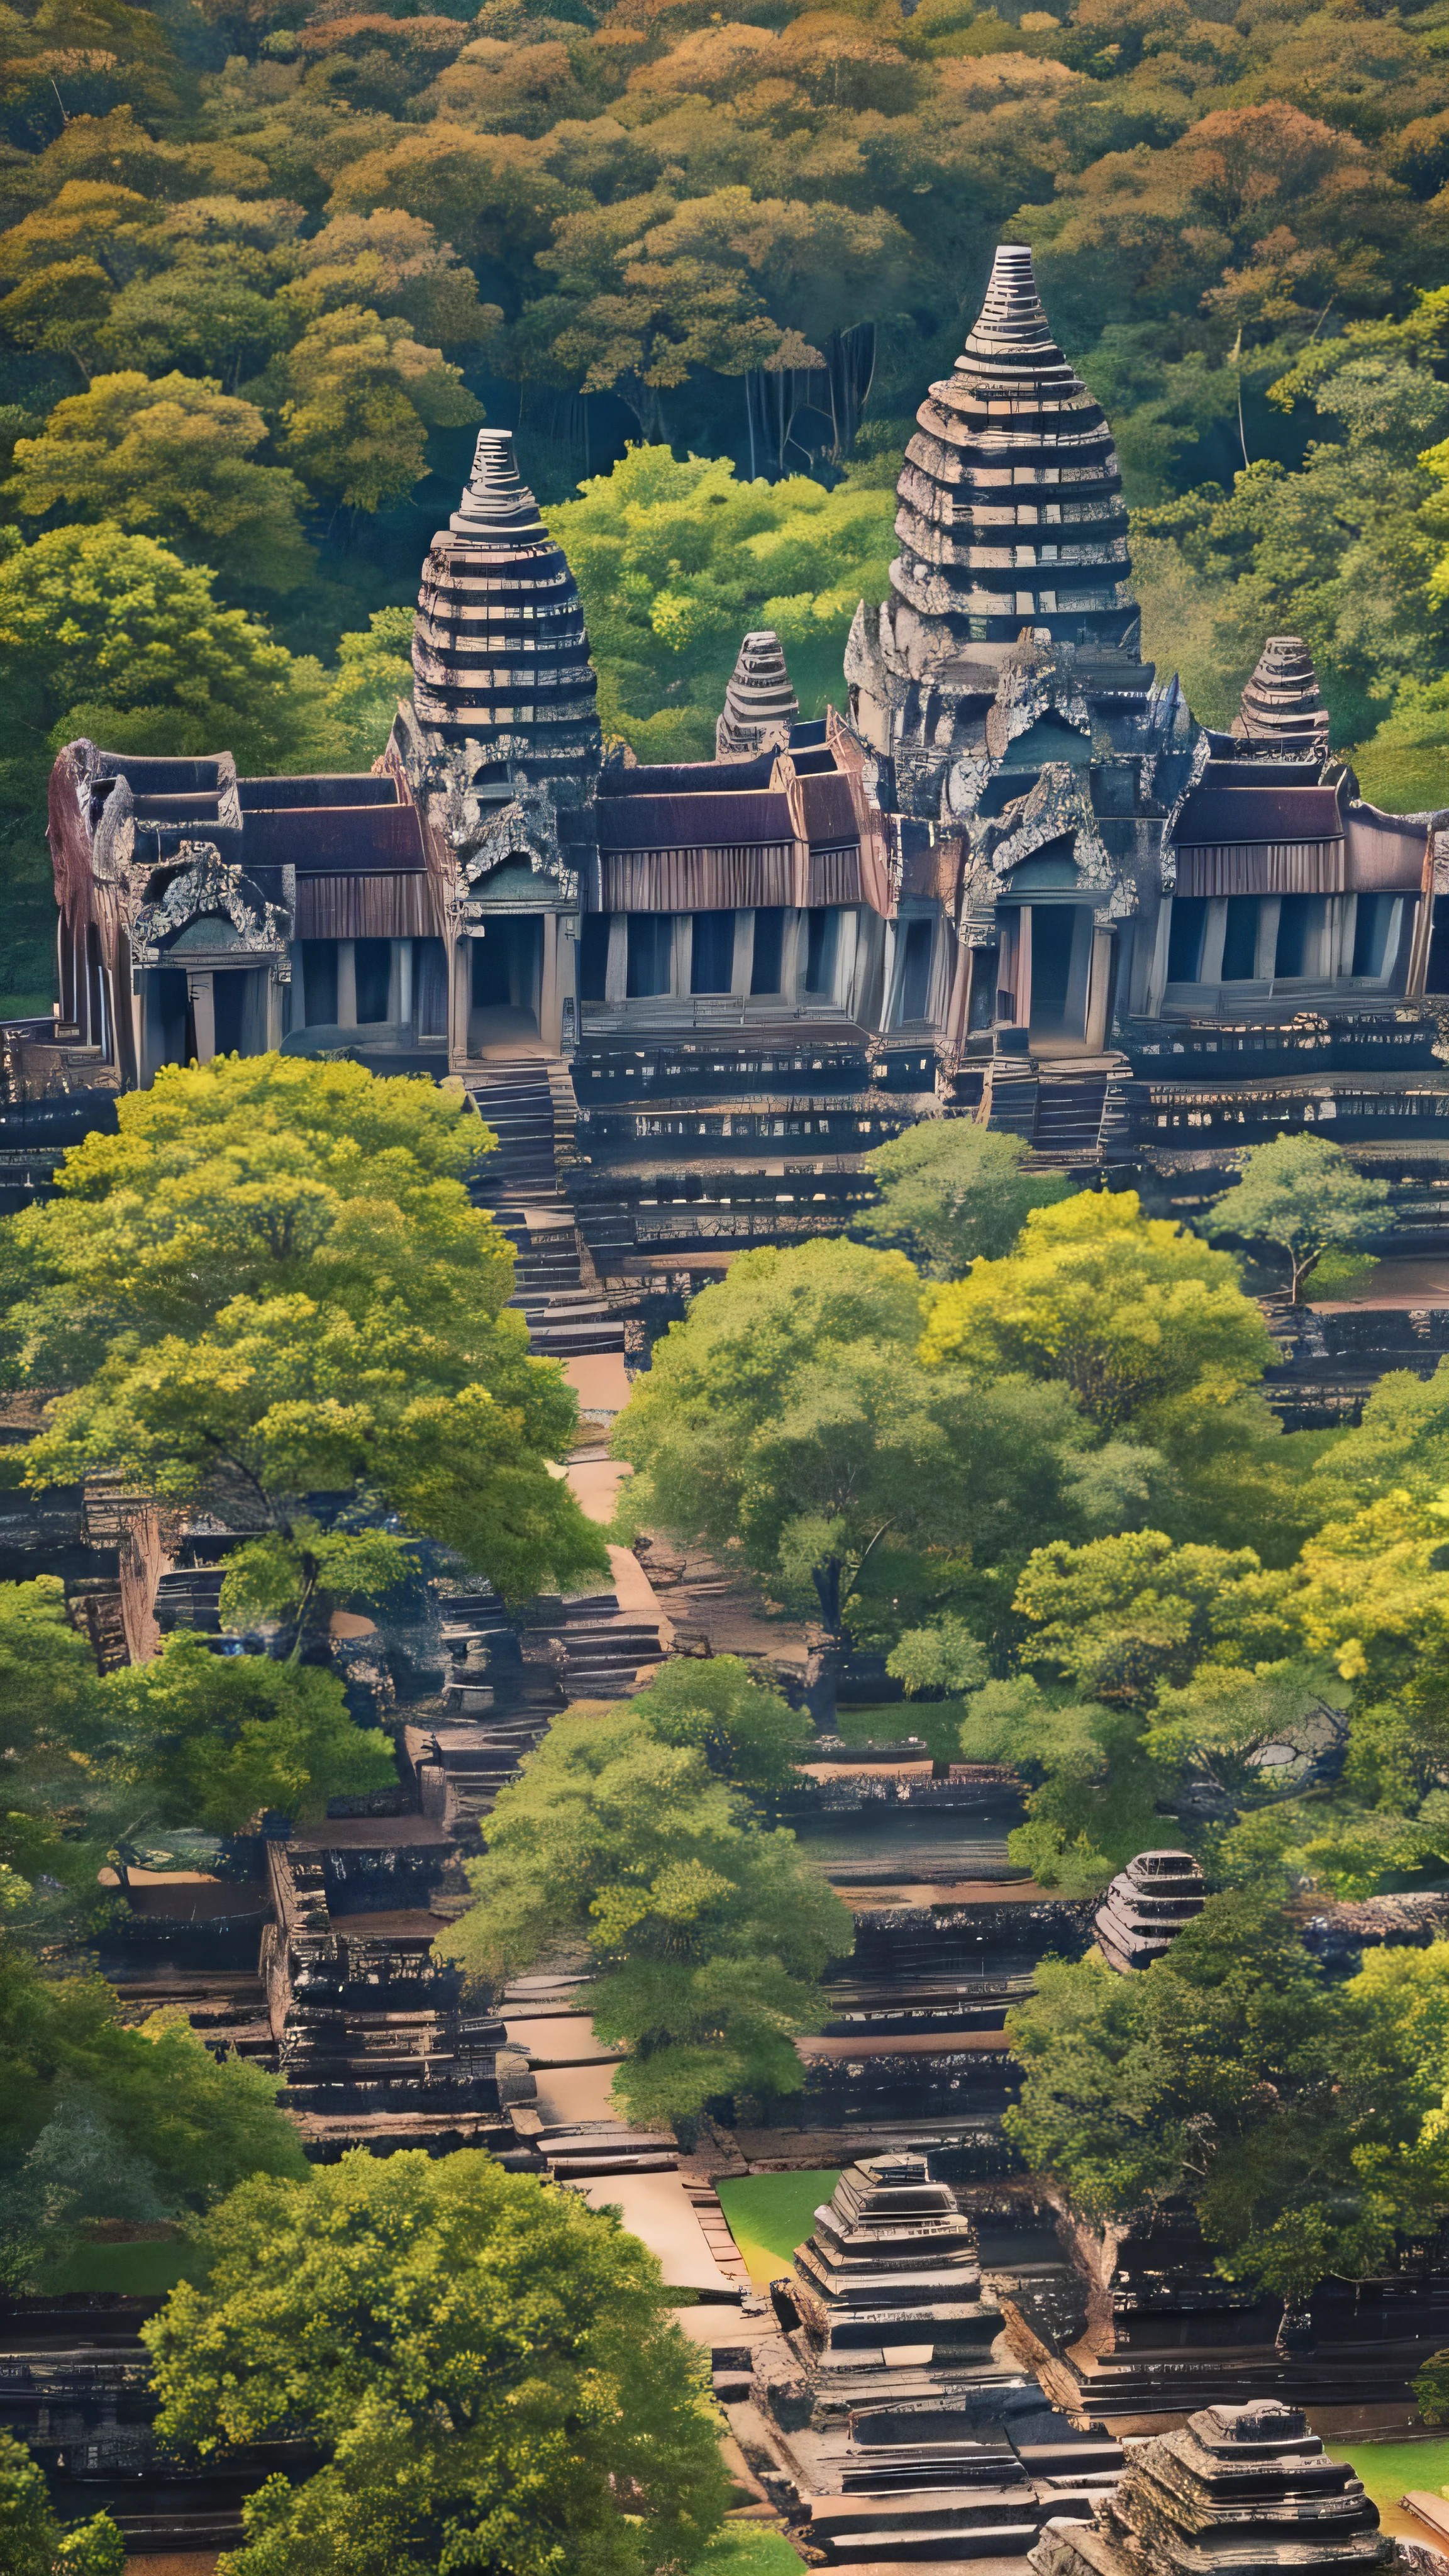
(506, 963)
(712, 956)
(1053, 927)
(430, 967)
(319, 983)
(1296, 917)
(173, 1012)
(228, 1002)
(916, 970)
(769, 950)
(1184, 939)
(650, 949)
(372, 965)
(1240, 939)
(594, 957)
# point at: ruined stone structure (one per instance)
(1146, 1906)
(1240, 2486)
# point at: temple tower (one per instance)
(1011, 497)
(1281, 706)
(760, 703)
(503, 682)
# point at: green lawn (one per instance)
(145, 2270)
(745, 2550)
(1389, 2469)
(769, 2214)
(887, 1724)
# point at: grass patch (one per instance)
(881, 1724)
(145, 2271)
(746, 2550)
(1389, 2469)
(769, 2214)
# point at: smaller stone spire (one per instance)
(1146, 1907)
(760, 704)
(1281, 705)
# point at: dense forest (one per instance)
(264, 267)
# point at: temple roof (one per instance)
(1011, 498)
(1281, 704)
(500, 653)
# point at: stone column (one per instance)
(298, 1012)
(1215, 931)
(743, 965)
(346, 984)
(1264, 962)
(461, 1001)
(395, 949)
(1099, 984)
(616, 965)
(794, 951)
(681, 955)
(201, 994)
(276, 1009)
(403, 953)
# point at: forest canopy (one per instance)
(263, 268)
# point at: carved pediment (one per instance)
(209, 905)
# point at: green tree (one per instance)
(33, 2541)
(675, 562)
(271, 1282)
(952, 1193)
(172, 458)
(357, 397)
(104, 632)
(1152, 1333)
(392, 263)
(1302, 1194)
(748, 1734)
(789, 1417)
(99, 2120)
(710, 1934)
(1296, 2116)
(374, 670)
(208, 1739)
(1128, 1310)
(485, 2364)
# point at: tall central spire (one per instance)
(500, 654)
(1011, 499)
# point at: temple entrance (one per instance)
(506, 975)
(1061, 961)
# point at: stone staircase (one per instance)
(604, 1647)
(1069, 1116)
(528, 1102)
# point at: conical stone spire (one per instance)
(1011, 510)
(1281, 705)
(760, 704)
(500, 653)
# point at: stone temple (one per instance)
(1009, 875)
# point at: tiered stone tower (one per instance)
(1281, 707)
(1009, 596)
(1146, 1907)
(500, 653)
(1011, 499)
(760, 703)
(889, 2277)
(1246, 2487)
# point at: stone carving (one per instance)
(208, 886)
(760, 703)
